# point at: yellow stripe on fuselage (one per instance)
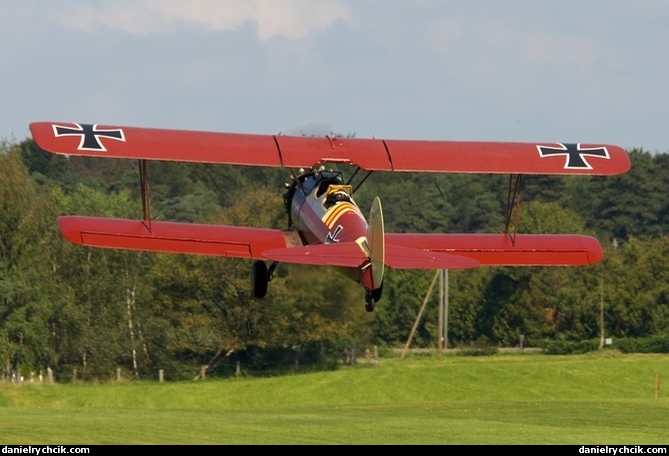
(331, 217)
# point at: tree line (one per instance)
(67, 308)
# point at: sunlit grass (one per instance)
(604, 398)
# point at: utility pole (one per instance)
(445, 334)
(442, 323)
(420, 313)
(601, 314)
(440, 317)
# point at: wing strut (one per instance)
(144, 188)
(513, 207)
(369, 173)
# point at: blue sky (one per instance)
(520, 70)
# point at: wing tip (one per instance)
(593, 248)
(69, 228)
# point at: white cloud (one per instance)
(290, 18)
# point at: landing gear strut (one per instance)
(260, 276)
(372, 297)
(259, 279)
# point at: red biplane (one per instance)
(326, 226)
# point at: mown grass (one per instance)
(603, 398)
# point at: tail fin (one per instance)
(376, 242)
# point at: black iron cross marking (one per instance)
(90, 135)
(332, 238)
(574, 154)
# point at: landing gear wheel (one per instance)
(372, 297)
(370, 303)
(259, 279)
(376, 294)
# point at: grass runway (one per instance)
(604, 398)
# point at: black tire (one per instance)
(369, 301)
(376, 294)
(259, 279)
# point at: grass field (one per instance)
(594, 399)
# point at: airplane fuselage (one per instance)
(322, 210)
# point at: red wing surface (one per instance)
(155, 144)
(346, 254)
(295, 151)
(398, 257)
(169, 237)
(499, 250)
(507, 157)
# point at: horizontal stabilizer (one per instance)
(171, 237)
(501, 250)
(398, 257)
(349, 254)
(345, 254)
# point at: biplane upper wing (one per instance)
(296, 151)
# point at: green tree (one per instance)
(636, 290)
(403, 294)
(27, 280)
(627, 205)
(523, 301)
(106, 287)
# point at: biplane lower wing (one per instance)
(403, 251)
(172, 237)
(239, 242)
(495, 157)
(503, 250)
